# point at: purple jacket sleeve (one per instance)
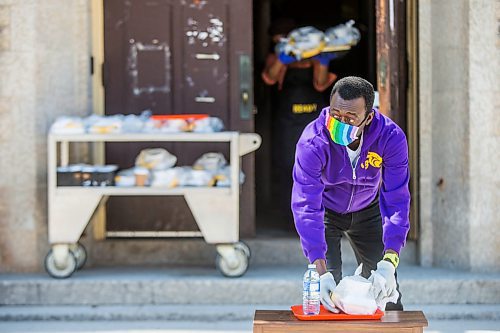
(307, 201)
(394, 192)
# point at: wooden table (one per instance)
(284, 321)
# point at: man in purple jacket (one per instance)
(351, 179)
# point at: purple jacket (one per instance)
(323, 177)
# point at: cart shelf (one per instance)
(145, 190)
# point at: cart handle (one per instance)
(249, 142)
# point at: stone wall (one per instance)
(44, 61)
(459, 82)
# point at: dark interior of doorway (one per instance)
(360, 61)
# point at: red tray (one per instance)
(186, 116)
(324, 314)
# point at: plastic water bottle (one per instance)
(310, 291)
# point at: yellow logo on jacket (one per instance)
(372, 159)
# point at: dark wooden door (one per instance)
(176, 57)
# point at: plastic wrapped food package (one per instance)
(191, 177)
(223, 177)
(303, 43)
(125, 178)
(167, 178)
(208, 125)
(68, 125)
(152, 126)
(210, 161)
(307, 42)
(342, 35)
(155, 159)
(132, 124)
(354, 295)
(174, 126)
(104, 125)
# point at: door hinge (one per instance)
(91, 65)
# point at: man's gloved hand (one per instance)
(286, 59)
(326, 286)
(383, 280)
(324, 58)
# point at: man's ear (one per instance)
(370, 118)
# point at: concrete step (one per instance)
(261, 285)
(276, 248)
(209, 313)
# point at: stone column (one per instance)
(425, 237)
(459, 134)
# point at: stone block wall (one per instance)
(44, 61)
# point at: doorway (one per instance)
(360, 61)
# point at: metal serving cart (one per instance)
(215, 209)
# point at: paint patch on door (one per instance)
(149, 67)
(212, 34)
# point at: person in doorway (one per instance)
(296, 101)
(350, 178)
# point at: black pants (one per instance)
(363, 229)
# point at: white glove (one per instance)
(383, 280)
(326, 286)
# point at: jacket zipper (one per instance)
(354, 177)
(352, 192)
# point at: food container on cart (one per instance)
(104, 175)
(70, 175)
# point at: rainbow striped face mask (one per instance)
(341, 133)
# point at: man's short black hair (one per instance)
(352, 87)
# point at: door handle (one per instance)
(204, 99)
(245, 96)
(206, 56)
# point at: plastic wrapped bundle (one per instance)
(354, 295)
(155, 159)
(175, 126)
(341, 37)
(104, 125)
(302, 43)
(68, 125)
(223, 177)
(167, 178)
(191, 177)
(208, 125)
(135, 123)
(210, 162)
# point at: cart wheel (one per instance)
(80, 254)
(237, 270)
(60, 272)
(243, 246)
